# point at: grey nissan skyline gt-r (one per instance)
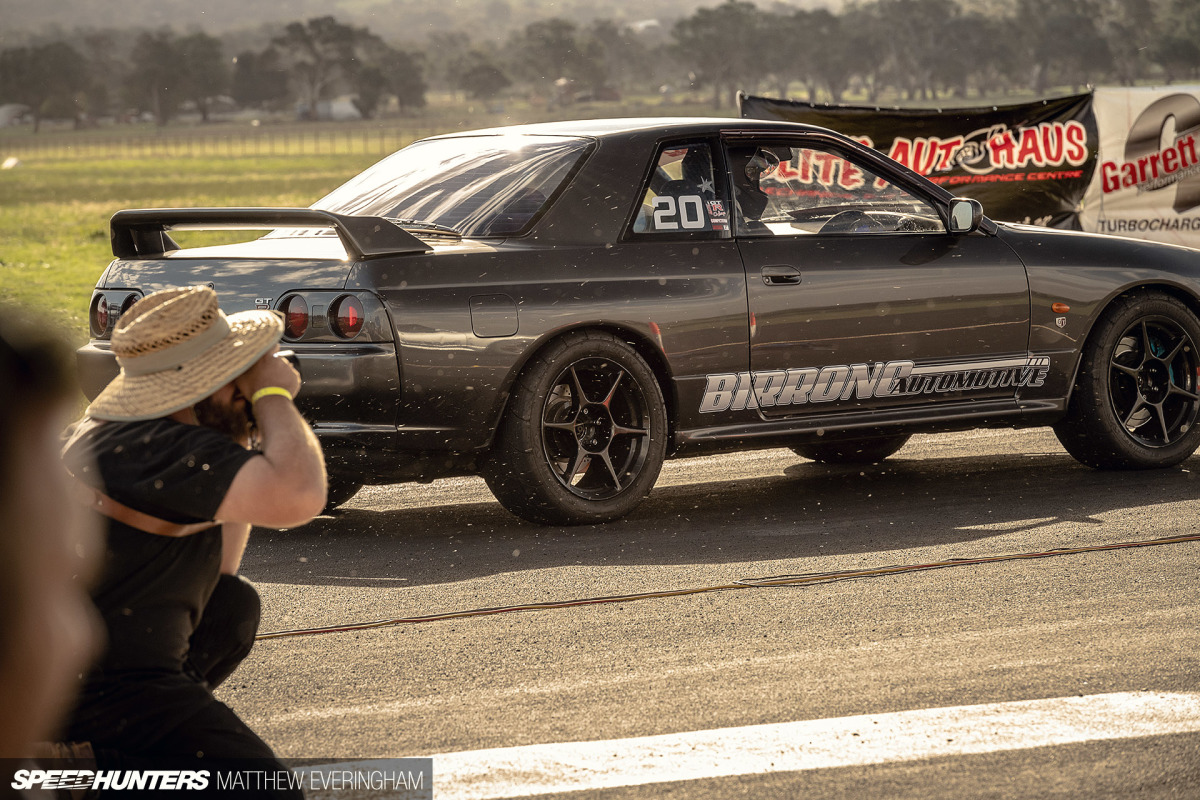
(560, 307)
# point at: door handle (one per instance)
(780, 275)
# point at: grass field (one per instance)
(54, 214)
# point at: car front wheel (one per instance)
(1137, 397)
(584, 436)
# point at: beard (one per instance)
(232, 420)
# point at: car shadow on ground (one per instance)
(808, 510)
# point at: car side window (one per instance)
(682, 195)
(782, 190)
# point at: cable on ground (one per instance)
(746, 583)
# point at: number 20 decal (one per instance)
(672, 214)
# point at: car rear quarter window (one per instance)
(682, 195)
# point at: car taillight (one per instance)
(127, 303)
(346, 317)
(295, 316)
(99, 315)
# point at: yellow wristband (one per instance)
(267, 391)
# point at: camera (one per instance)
(292, 359)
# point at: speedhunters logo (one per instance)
(738, 391)
(79, 780)
(399, 778)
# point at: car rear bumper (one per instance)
(351, 394)
(356, 385)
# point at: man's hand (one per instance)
(269, 371)
(285, 486)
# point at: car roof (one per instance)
(602, 128)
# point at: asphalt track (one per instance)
(1071, 676)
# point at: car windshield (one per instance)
(476, 185)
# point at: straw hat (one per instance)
(175, 347)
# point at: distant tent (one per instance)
(11, 112)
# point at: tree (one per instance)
(369, 86)
(406, 79)
(783, 56)
(47, 78)
(258, 79)
(839, 51)
(915, 30)
(205, 72)
(1178, 56)
(317, 55)
(106, 66)
(1176, 49)
(157, 80)
(615, 55)
(1067, 47)
(952, 69)
(446, 56)
(1129, 29)
(720, 46)
(480, 78)
(547, 50)
(377, 70)
(995, 60)
(861, 40)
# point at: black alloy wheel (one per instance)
(1137, 396)
(1152, 381)
(595, 428)
(584, 436)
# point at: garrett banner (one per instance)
(1147, 185)
(1029, 163)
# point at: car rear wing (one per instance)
(143, 233)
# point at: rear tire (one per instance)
(1137, 397)
(858, 451)
(584, 435)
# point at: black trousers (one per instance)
(226, 631)
(172, 720)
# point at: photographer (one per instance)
(165, 454)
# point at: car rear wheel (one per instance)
(859, 451)
(1137, 397)
(584, 435)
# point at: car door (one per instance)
(858, 297)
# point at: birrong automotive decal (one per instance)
(738, 391)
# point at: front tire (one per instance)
(584, 436)
(858, 451)
(1137, 397)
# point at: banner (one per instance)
(1030, 162)
(1147, 182)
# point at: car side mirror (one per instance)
(965, 215)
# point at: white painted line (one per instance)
(812, 744)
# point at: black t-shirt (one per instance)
(153, 588)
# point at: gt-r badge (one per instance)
(262, 303)
(1061, 322)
